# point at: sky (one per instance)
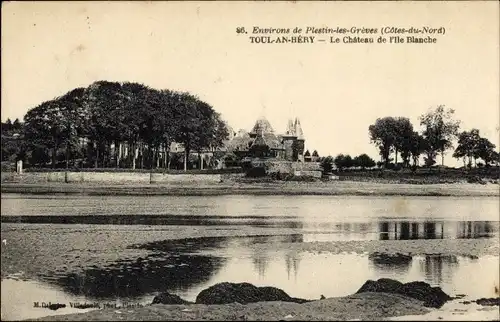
(336, 90)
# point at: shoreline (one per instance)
(337, 188)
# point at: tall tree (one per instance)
(45, 125)
(343, 161)
(327, 165)
(383, 134)
(167, 122)
(213, 130)
(467, 147)
(403, 130)
(75, 122)
(135, 97)
(485, 150)
(13, 143)
(417, 147)
(57, 124)
(440, 128)
(363, 161)
(199, 126)
(471, 146)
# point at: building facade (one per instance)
(263, 142)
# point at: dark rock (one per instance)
(488, 302)
(243, 293)
(56, 306)
(431, 296)
(385, 285)
(167, 298)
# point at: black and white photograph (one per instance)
(250, 160)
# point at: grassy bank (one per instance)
(276, 188)
(423, 175)
(365, 306)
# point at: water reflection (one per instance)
(332, 230)
(309, 275)
(475, 229)
(261, 258)
(437, 268)
(172, 266)
(399, 263)
(405, 230)
(145, 276)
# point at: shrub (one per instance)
(256, 172)
(327, 165)
(279, 175)
(475, 179)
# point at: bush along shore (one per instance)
(243, 301)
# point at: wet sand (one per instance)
(277, 188)
(445, 247)
(366, 306)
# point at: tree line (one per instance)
(397, 136)
(345, 161)
(93, 125)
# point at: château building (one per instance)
(263, 142)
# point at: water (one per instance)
(127, 249)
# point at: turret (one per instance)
(298, 129)
(299, 143)
(290, 129)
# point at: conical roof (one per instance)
(290, 129)
(262, 125)
(298, 130)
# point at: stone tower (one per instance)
(300, 141)
(288, 138)
(293, 141)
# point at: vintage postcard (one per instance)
(299, 160)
